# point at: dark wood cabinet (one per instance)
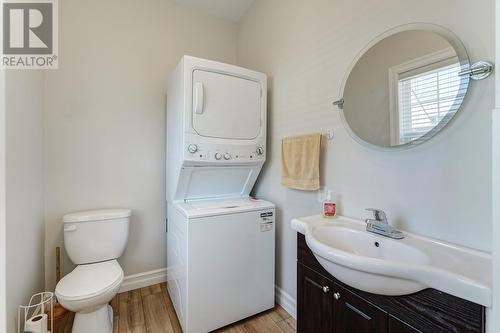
(398, 326)
(354, 314)
(326, 305)
(315, 312)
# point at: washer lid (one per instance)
(90, 280)
(205, 208)
(96, 215)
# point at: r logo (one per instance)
(27, 28)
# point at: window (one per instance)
(425, 93)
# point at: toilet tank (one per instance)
(96, 235)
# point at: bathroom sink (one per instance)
(361, 243)
(386, 266)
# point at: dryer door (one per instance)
(226, 106)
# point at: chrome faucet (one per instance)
(380, 226)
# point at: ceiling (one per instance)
(231, 10)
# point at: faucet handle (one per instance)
(378, 214)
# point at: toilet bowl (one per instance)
(93, 241)
(87, 291)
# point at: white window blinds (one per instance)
(426, 95)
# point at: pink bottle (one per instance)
(329, 206)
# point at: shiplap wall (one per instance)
(441, 189)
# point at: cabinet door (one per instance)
(352, 314)
(398, 326)
(314, 302)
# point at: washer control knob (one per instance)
(218, 156)
(227, 156)
(192, 148)
(260, 151)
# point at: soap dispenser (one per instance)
(329, 205)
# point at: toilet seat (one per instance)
(90, 281)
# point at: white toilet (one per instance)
(93, 241)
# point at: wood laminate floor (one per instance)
(150, 310)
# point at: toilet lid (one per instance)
(89, 280)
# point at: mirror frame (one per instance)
(463, 57)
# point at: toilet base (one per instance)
(98, 321)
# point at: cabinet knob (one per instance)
(336, 296)
(326, 289)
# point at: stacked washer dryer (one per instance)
(220, 243)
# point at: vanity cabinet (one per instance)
(325, 304)
(314, 291)
(354, 314)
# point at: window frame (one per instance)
(423, 62)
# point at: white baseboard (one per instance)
(286, 301)
(145, 279)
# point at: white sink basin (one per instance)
(362, 243)
(386, 266)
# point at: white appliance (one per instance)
(220, 242)
(221, 253)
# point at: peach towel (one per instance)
(300, 161)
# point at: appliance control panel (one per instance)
(216, 153)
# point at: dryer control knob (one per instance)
(192, 148)
(227, 156)
(218, 156)
(260, 151)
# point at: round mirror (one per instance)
(405, 86)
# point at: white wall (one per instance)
(3, 227)
(25, 228)
(441, 189)
(105, 114)
(494, 312)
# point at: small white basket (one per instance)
(37, 315)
